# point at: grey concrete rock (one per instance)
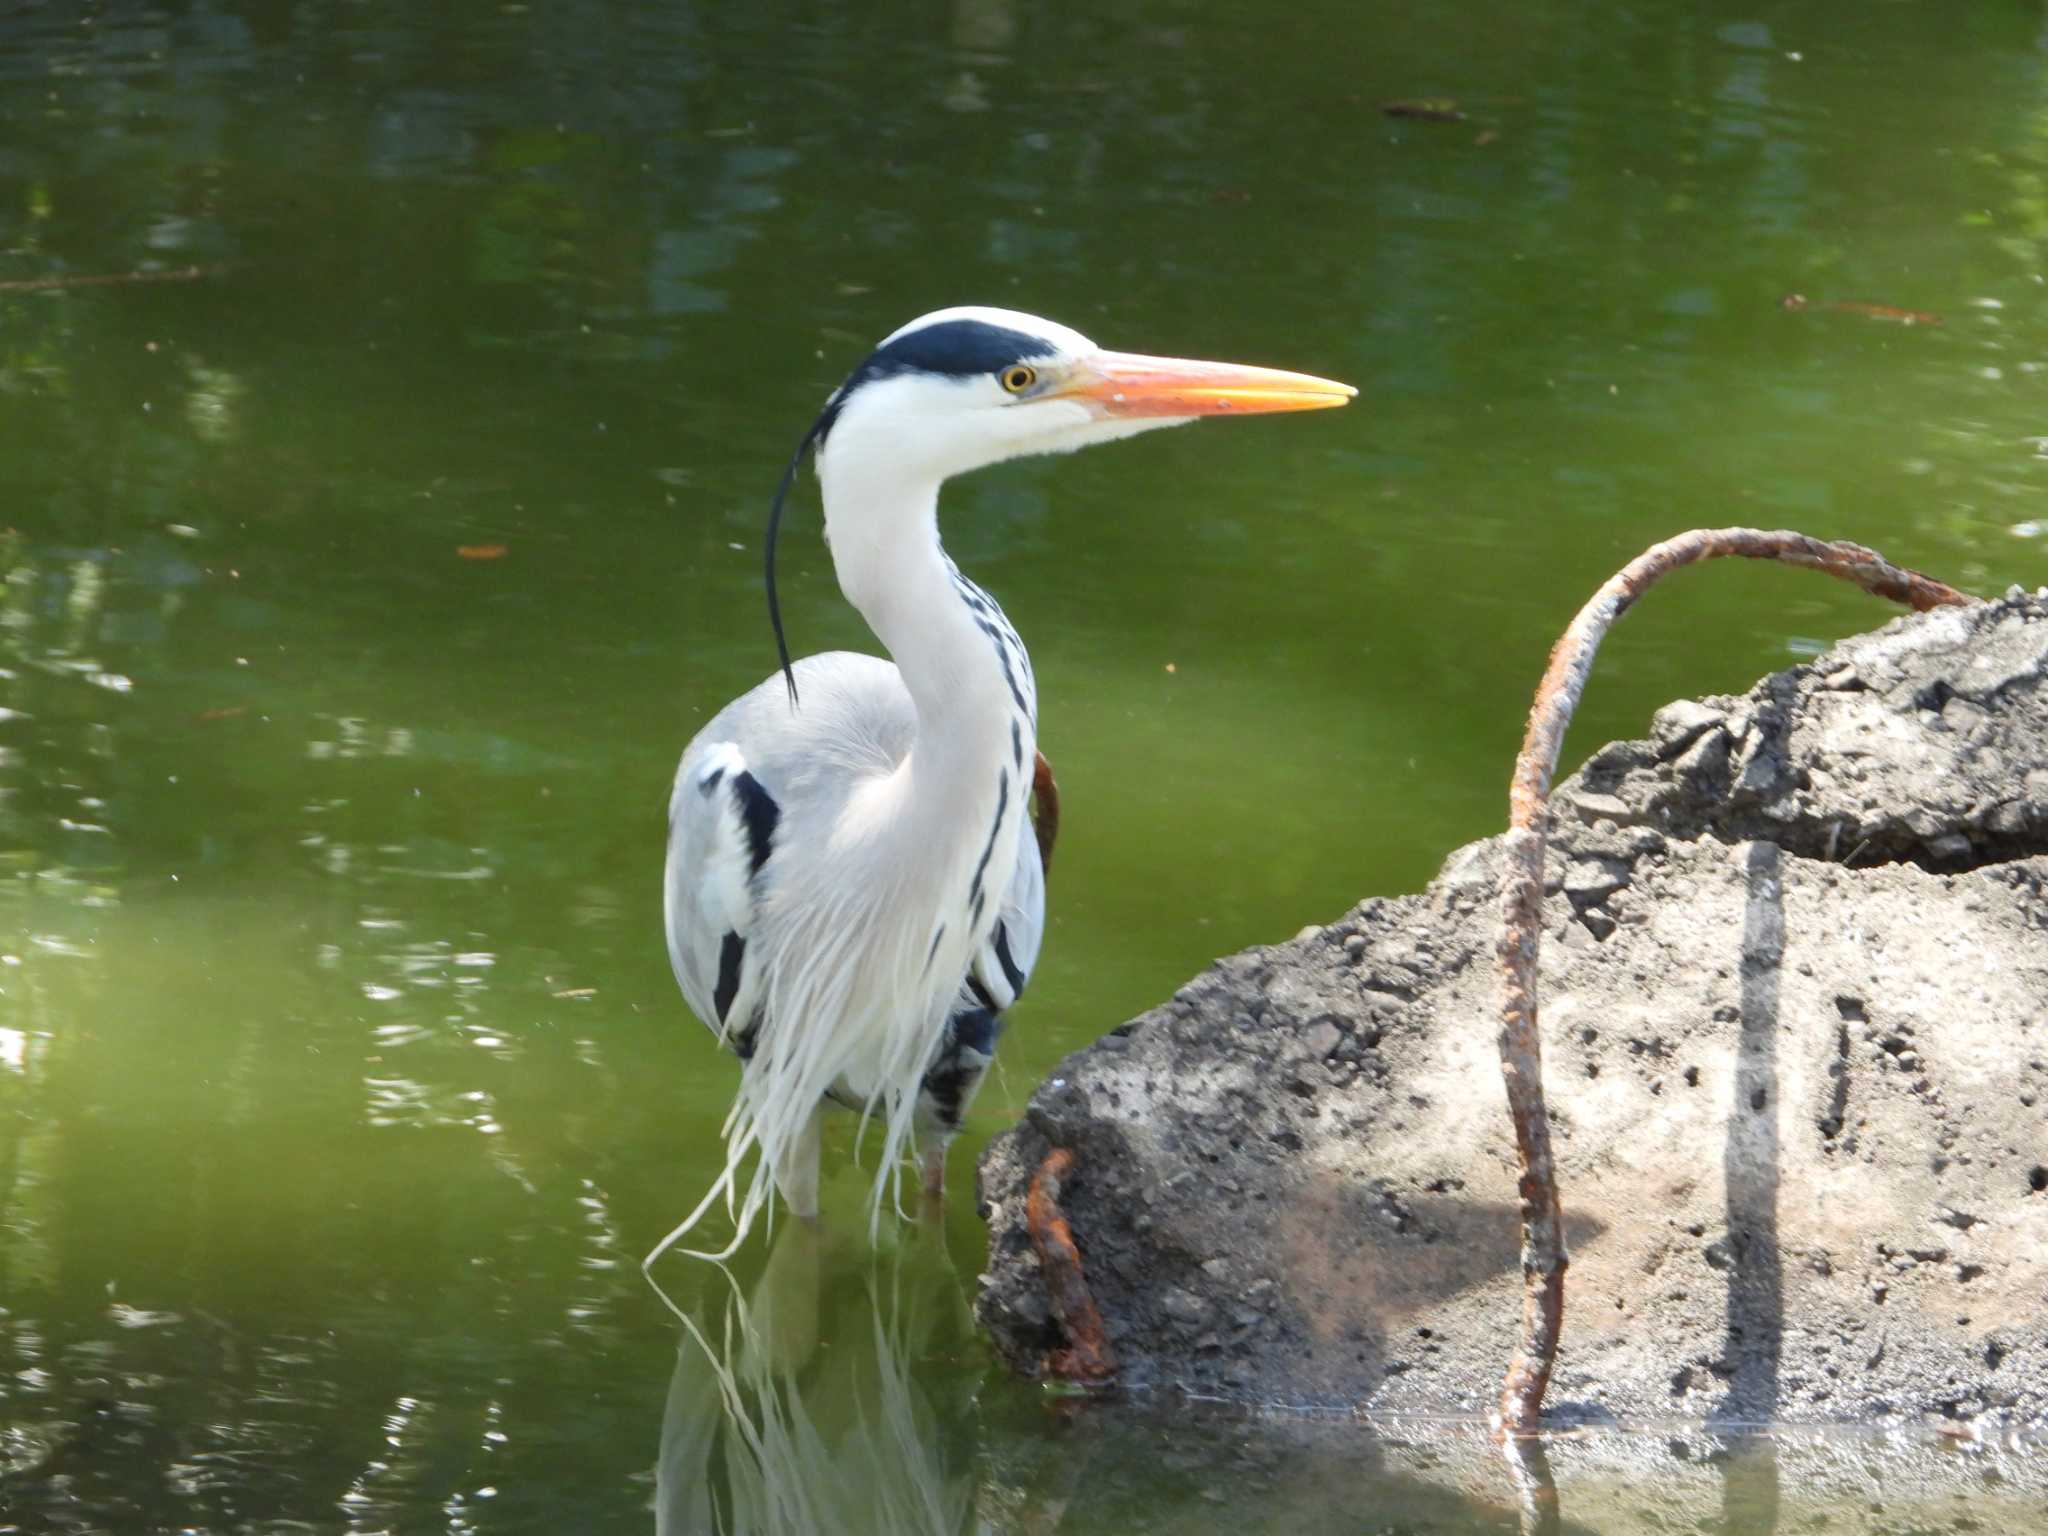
(1795, 1011)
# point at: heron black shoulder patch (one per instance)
(731, 951)
(761, 815)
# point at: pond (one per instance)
(390, 397)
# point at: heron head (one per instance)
(961, 388)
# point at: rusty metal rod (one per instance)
(1535, 1485)
(1087, 1355)
(1521, 895)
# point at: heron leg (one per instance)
(798, 1175)
(931, 1205)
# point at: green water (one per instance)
(342, 1079)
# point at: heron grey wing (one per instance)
(755, 786)
(722, 824)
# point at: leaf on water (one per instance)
(481, 551)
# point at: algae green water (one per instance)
(358, 590)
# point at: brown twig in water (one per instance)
(109, 279)
(1521, 895)
(1045, 821)
(1087, 1356)
(1858, 307)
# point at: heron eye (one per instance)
(1018, 377)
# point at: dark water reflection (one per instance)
(356, 595)
(835, 1390)
(839, 1393)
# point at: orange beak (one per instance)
(1130, 384)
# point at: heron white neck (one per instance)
(964, 667)
(886, 551)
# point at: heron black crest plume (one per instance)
(813, 436)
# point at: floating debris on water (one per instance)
(1428, 109)
(1868, 311)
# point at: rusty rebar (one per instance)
(1521, 895)
(1535, 1485)
(1086, 1355)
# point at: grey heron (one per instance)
(853, 894)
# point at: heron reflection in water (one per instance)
(812, 1405)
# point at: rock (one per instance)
(1676, 726)
(1799, 1088)
(1948, 847)
(1706, 758)
(1602, 808)
(1590, 881)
